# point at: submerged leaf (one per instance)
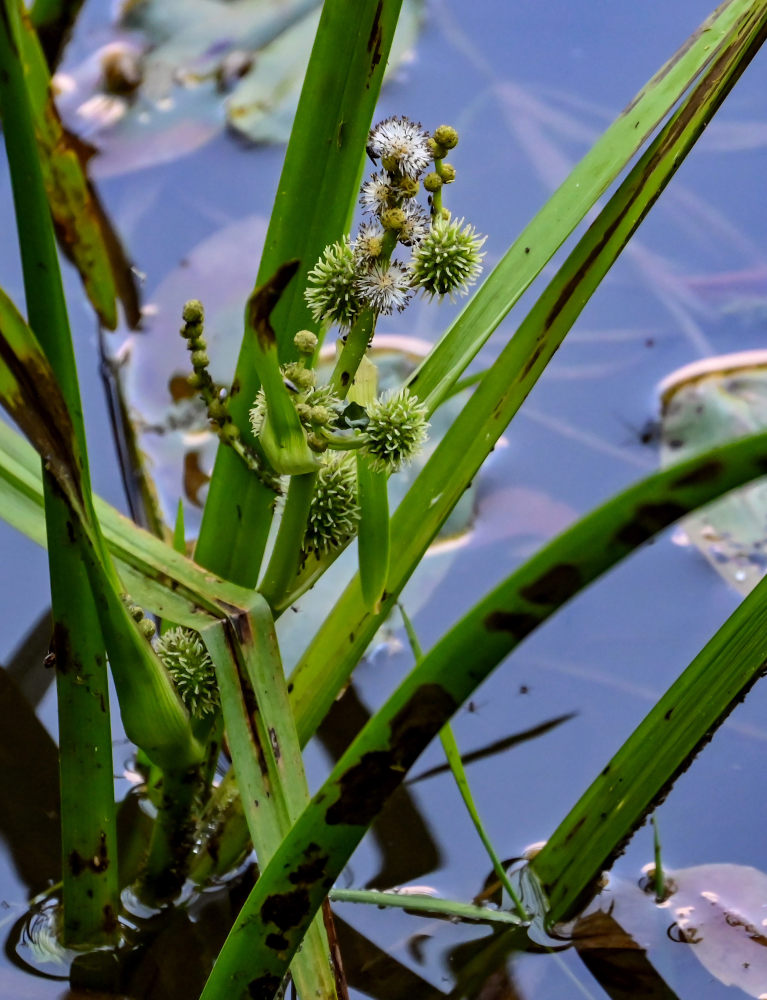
(177, 72)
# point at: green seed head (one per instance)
(191, 669)
(396, 430)
(200, 360)
(333, 512)
(330, 294)
(432, 181)
(448, 260)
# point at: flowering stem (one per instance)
(353, 351)
(436, 197)
(284, 562)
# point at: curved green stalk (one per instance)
(373, 542)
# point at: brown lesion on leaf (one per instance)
(648, 519)
(263, 301)
(364, 788)
(264, 987)
(709, 472)
(516, 623)
(554, 586)
(375, 40)
(286, 909)
(313, 868)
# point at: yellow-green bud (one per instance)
(217, 410)
(390, 164)
(319, 415)
(200, 360)
(230, 431)
(136, 612)
(193, 311)
(446, 136)
(305, 341)
(408, 186)
(447, 173)
(393, 218)
(195, 380)
(317, 442)
(432, 181)
(304, 411)
(302, 378)
(437, 150)
(147, 627)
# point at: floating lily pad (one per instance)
(709, 403)
(179, 71)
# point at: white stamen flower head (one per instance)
(396, 430)
(448, 259)
(402, 144)
(333, 512)
(384, 287)
(191, 669)
(417, 224)
(331, 293)
(377, 193)
(368, 242)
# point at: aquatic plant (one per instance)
(330, 447)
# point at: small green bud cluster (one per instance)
(317, 406)
(145, 625)
(333, 512)
(361, 274)
(216, 397)
(191, 669)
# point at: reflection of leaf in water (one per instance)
(187, 55)
(722, 911)
(497, 746)
(704, 404)
(422, 855)
(618, 963)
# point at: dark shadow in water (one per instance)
(497, 747)
(616, 961)
(402, 860)
(29, 788)
(374, 972)
(26, 664)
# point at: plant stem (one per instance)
(658, 877)
(89, 844)
(352, 353)
(283, 564)
(421, 903)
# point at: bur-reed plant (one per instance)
(329, 448)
